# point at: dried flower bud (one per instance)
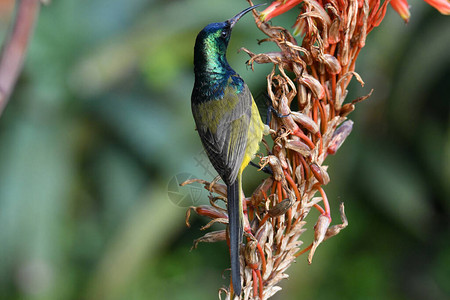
(331, 63)
(263, 58)
(315, 51)
(257, 196)
(298, 68)
(339, 136)
(305, 121)
(343, 54)
(280, 152)
(314, 85)
(207, 211)
(250, 254)
(281, 208)
(298, 146)
(340, 97)
(333, 32)
(324, 17)
(218, 188)
(262, 233)
(275, 165)
(285, 111)
(317, 55)
(363, 24)
(302, 96)
(320, 174)
(320, 229)
(346, 109)
(332, 10)
(299, 172)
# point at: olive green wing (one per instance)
(223, 127)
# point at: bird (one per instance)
(228, 123)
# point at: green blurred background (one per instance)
(99, 129)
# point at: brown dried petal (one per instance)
(211, 237)
(269, 259)
(217, 188)
(333, 32)
(265, 58)
(319, 8)
(299, 172)
(305, 121)
(340, 97)
(269, 292)
(280, 152)
(277, 278)
(333, 230)
(275, 165)
(257, 196)
(296, 231)
(262, 233)
(314, 85)
(287, 120)
(302, 96)
(213, 221)
(250, 254)
(315, 51)
(363, 35)
(344, 80)
(320, 230)
(307, 54)
(346, 109)
(298, 146)
(332, 64)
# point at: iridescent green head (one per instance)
(211, 45)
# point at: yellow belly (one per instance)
(254, 136)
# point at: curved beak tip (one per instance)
(236, 18)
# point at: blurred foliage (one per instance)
(100, 123)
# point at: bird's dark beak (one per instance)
(236, 18)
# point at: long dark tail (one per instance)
(235, 229)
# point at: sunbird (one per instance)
(228, 122)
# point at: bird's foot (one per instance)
(265, 169)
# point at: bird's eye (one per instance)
(224, 33)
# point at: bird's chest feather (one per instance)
(213, 113)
